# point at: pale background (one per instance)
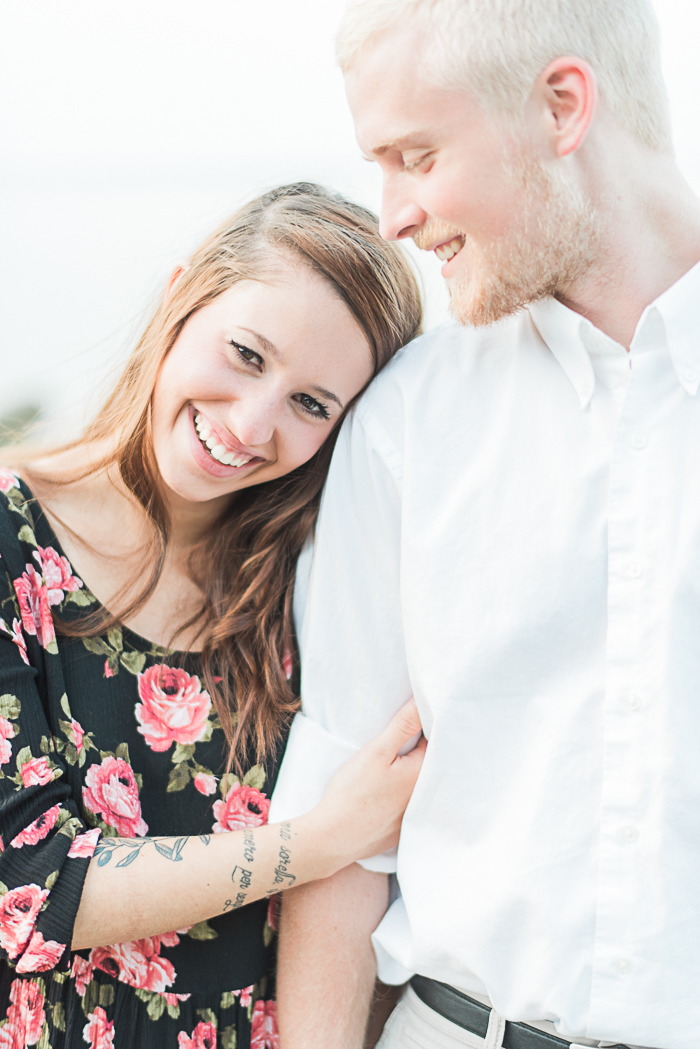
(128, 130)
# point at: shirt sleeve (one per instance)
(353, 661)
(45, 854)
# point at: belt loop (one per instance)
(495, 1032)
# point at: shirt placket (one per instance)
(632, 692)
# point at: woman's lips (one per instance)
(203, 457)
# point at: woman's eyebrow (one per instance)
(265, 343)
(274, 352)
(328, 395)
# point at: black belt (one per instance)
(472, 1016)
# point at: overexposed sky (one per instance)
(128, 130)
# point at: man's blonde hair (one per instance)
(495, 49)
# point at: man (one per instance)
(511, 531)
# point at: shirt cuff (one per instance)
(312, 756)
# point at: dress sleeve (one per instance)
(354, 673)
(45, 850)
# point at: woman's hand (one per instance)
(360, 815)
(365, 801)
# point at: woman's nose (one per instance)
(400, 216)
(253, 418)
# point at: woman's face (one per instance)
(255, 382)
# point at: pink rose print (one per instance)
(203, 1037)
(242, 807)
(17, 636)
(40, 955)
(264, 1033)
(26, 1015)
(173, 707)
(38, 829)
(37, 772)
(34, 606)
(8, 479)
(108, 670)
(113, 793)
(246, 995)
(77, 731)
(19, 909)
(173, 999)
(287, 664)
(7, 732)
(204, 783)
(11, 1037)
(83, 845)
(138, 963)
(57, 573)
(273, 912)
(81, 971)
(99, 1031)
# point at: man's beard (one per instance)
(555, 242)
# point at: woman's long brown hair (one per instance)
(246, 565)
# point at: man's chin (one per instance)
(478, 303)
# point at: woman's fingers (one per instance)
(402, 728)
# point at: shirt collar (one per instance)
(571, 338)
(679, 308)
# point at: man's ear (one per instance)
(174, 277)
(566, 95)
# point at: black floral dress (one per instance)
(102, 737)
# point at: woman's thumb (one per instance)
(403, 726)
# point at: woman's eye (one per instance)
(248, 355)
(312, 406)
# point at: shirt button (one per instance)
(690, 375)
(633, 570)
(633, 701)
(623, 965)
(628, 835)
(638, 440)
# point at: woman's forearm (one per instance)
(137, 887)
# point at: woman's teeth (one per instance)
(447, 251)
(217, 451)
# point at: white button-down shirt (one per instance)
(511, 532)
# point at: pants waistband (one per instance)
(474, 1017)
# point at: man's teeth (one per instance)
(448, 251)
(217, 451)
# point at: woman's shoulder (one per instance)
(17, 524)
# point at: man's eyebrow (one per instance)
(401, 142)
(328, 395)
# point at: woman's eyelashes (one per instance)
(312, 407)
(307, 403)
(247, 355)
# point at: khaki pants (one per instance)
(413, 1025)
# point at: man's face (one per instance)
(507, 226)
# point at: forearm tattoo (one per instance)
(126, 850)
(282, 870)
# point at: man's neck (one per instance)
(650, 237)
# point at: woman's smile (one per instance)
(217, 451)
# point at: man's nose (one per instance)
(400, 216)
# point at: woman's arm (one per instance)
(171, 883)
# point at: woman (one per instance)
(147, 657)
